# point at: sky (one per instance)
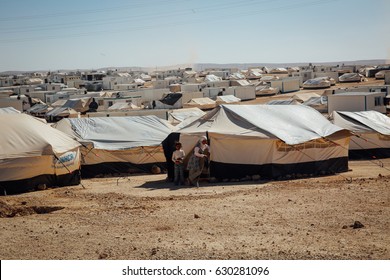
(91, 34)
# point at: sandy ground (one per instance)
(143, 217)
(344, 216)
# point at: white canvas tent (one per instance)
(118, 144)
(179, 115)
(227, 99)
(33, 153)
(268, 140)
(203, 103)
(371, 133)
(123, 106)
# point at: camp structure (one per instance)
(122, 106)
(118, 144)
(350, 77)
(203, 103)
(321, 82)
(33, 153)
(319, 103)
(39, 110)
(283, 102)
(59, 113)
(169, 101)
(302, 97)
(266, 140)
(227, 99)
(177, 116)
(370, 133)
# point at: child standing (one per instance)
(178, 157)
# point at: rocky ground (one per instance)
(343, 216)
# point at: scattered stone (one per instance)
(23, 202)
(153, 252)
(42, 187)
(156, 169)
(356, 225)
(196, 216)
(103, 256)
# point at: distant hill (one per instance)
(202, 66)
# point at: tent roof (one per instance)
(61, 112)
(305, 96)
(117, 133)
(24, 136)
(9, 110)
(283, 102)
(185, 113)
(123, 106)
(363, 121)
(227, 99)
(293, 124)
(39, 108)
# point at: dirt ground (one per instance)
(143, 217)
(344, 216)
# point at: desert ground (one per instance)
(141, 216)
(343, 216)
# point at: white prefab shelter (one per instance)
(357, 101)
(118, 144)
(371, 133)
(244, 93)
(268, 140)
(33, 153)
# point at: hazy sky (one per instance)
(86, 34)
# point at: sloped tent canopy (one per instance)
(179, 115)
(33, 153)
(302, 97)
(9, 110)
(78, 104)
(118, 144)
(169, 101)
(371, 133)
(203, 103)
(319, 103)
(61, 112)
(122, 106)
(266, 140)
(227, 99)
(283, 102)
(39, 109)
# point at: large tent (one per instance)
(118, 144)
(371, 133)
(267, 140)
(33, 153)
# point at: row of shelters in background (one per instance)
(54, 95)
